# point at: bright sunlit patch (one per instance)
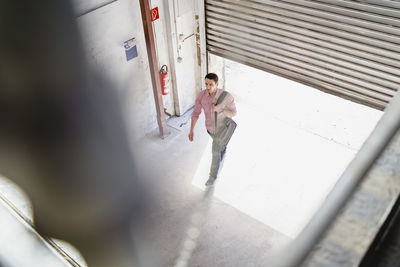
(291, 146)
(279, 180)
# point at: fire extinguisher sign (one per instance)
(154, 14)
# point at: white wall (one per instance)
(84, 6)
(187, 68)
(104, 31)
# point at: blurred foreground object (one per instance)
(62, 135)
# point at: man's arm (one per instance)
(195, 117)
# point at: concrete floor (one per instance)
(290, 147)
(226, 236)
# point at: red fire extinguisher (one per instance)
(164, 80)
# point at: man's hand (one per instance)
(218, 108)
(191, 136)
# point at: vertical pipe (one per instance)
(173, 52)
(202, 41)
(151, 53)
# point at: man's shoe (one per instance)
(210, 181)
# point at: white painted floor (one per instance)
(291, 146)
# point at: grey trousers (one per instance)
(218, 153)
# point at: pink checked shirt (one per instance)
(205, 101)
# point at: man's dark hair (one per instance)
(212, 76)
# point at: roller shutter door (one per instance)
(347, 48)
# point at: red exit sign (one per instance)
(154, 14)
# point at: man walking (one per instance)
(207, 100)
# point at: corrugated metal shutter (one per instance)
(347, 48)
